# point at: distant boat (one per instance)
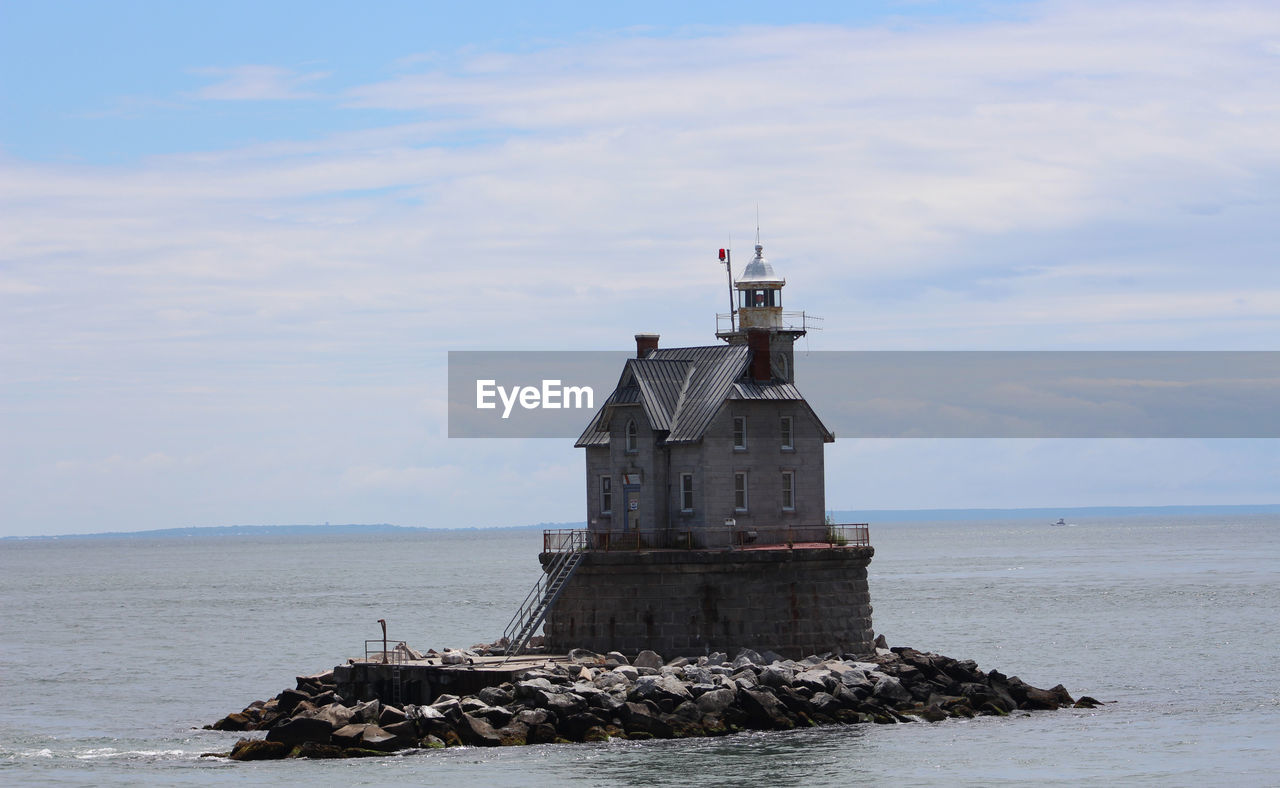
(1060, 522)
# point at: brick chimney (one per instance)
(645, 343)
(758, 343)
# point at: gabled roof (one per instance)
(682, 389)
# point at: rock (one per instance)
(933, 713)
(258, 750)
(367, 711)
(514, 733)
(639, 718)
(235, 721)
(563, 703)
(717, 658)
(301, 729)
(583, 656)
(825, 703)
(1087, 702)
(795, 702)
(617, 657)
(390, 715)
(496, 716)
(477, 732)
(747, 657)
(678, 662)
(769, 657)
(496, 696)
(881, 642)
(450, 657)
(816, 680)
(406, 730)
(659, 689)
(316, 751)
(889, 688)
(350, 735)
(532, 717)
(648, 659)
(289, 699)
(375, 738)
(541, 734)
(764, 710)
(628, 672)
(716, 701)
(775, 676)
(610, 679)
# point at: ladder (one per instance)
(396, 699)
(544, 594)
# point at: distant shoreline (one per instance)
(840, 515)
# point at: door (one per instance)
(631, 507)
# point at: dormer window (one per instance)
(632, 433)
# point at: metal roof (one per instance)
(682, 390)
(758, 271)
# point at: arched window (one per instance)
(632, 433)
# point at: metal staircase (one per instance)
(544, 594)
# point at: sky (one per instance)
(238, 240)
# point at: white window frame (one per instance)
(788, 491)
(740, 495)
(739, 446)
(606, 494)
(631, 437)
(786, 425)
(686, 492)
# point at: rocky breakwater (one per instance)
(595, 697)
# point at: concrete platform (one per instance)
(421, 681)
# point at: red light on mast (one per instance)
(722, 255)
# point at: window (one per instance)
(785, 429)
(740, 492)
(686, 492)
(788, 491)
(606, 495)
(632, 432)
(740, 432)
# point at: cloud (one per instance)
(256, 83)
(1088, 176)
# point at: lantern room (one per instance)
(759, 294)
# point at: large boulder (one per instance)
(259, 750)
(478, 733)
(288, 700)
(890, 689)
(639, 717)
(659, 689)
(764, 710)
(299, 729)
(648, 659)
(235, 721)
(716, 701)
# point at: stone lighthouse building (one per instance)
(706, 503)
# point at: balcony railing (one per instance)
(791, 321)
(710, 538)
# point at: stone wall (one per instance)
(794, 602)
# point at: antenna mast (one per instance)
(726, 257)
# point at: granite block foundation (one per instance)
(795, 602)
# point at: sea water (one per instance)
(114, 652)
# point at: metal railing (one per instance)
(713, 537)
(791, 321)
(568, 549)
(377, 651)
